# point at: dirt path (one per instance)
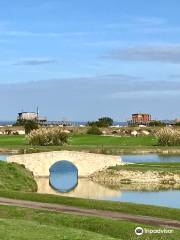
(90, 212)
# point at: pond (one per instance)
(92, 190)
(67, 182)
(84, 188)
(3, 156)
(150, 158)
(168, 198)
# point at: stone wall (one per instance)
(87, 163)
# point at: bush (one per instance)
(102, 122)
(47, 137)
(94, 131)
(30, 125)
(155, 123)
(168, 137)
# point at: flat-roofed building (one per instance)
(33, 116)
(27, 116)
(141, 118)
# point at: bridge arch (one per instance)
(63, 176)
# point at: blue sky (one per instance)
(80, 60)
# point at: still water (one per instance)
(88, 189)
(150, 158)
(3, 157)
(168, 198)
(152, 195)
(92, 190)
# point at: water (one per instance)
(91, 190)
(67, 184)
(3, 157)
(169, 198)
(63, 176)
(150, 158)
(126, 193)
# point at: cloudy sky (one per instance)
(80, 60)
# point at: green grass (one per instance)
(137, 209)
(22, 223)
(143, 167)
(91, 143)
(16, 177)
(22, 229)
(16, 141)
(12, 141)
(111, 141)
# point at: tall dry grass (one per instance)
(47, 136)
(168, 137)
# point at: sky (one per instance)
(81, 60)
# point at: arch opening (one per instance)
(63, 176)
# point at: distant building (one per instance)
(34, 116)
(177, 120)
(140, 118)
(27, 116)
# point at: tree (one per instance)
(102, 122)
(30, 125)
(94, 130)
(156, 124)
(105, 122)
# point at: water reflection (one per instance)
(63, 176)
(87, 189)
(84, 189)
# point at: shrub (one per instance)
(30, 125)
(102, 122)
(94, 131)
(47, 136)
(156, 123)
(168, 137)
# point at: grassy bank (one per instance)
(48, 225)
(141, 176)
(16, 177)
(163, 168)
(137, 209)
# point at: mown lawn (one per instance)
(111, 141)
(22, 223)
(12, 141)
(154, 166)
(93, 143)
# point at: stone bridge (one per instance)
(87, 163)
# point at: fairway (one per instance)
(112, 140)
(12, 140)
(84, 140)
(113, 145)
